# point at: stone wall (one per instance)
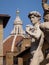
(1, 45)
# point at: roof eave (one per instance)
(5, 19)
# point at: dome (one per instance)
(8, 42)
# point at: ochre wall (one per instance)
(1, 45)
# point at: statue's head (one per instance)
(46, 17)
(34, 16)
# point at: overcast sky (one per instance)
(25, 6)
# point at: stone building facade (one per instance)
(3, 21)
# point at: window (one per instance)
(4, 60)
(26, 62)
(15, 60)
(19, 45)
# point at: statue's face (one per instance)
(46, 17)
(33, 19)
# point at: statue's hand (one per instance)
(45, 6)
(29, 28)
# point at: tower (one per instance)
(3, 21)
(18, 25)
(18, 30)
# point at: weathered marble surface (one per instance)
(36, 33)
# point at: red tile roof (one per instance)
(8, 44)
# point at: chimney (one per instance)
(3, 22)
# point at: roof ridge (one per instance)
(12, 47)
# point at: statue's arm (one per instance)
(35, 34)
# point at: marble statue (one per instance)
(45, 25)
(45, 28)
(36, 33)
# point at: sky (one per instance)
(24, 6)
